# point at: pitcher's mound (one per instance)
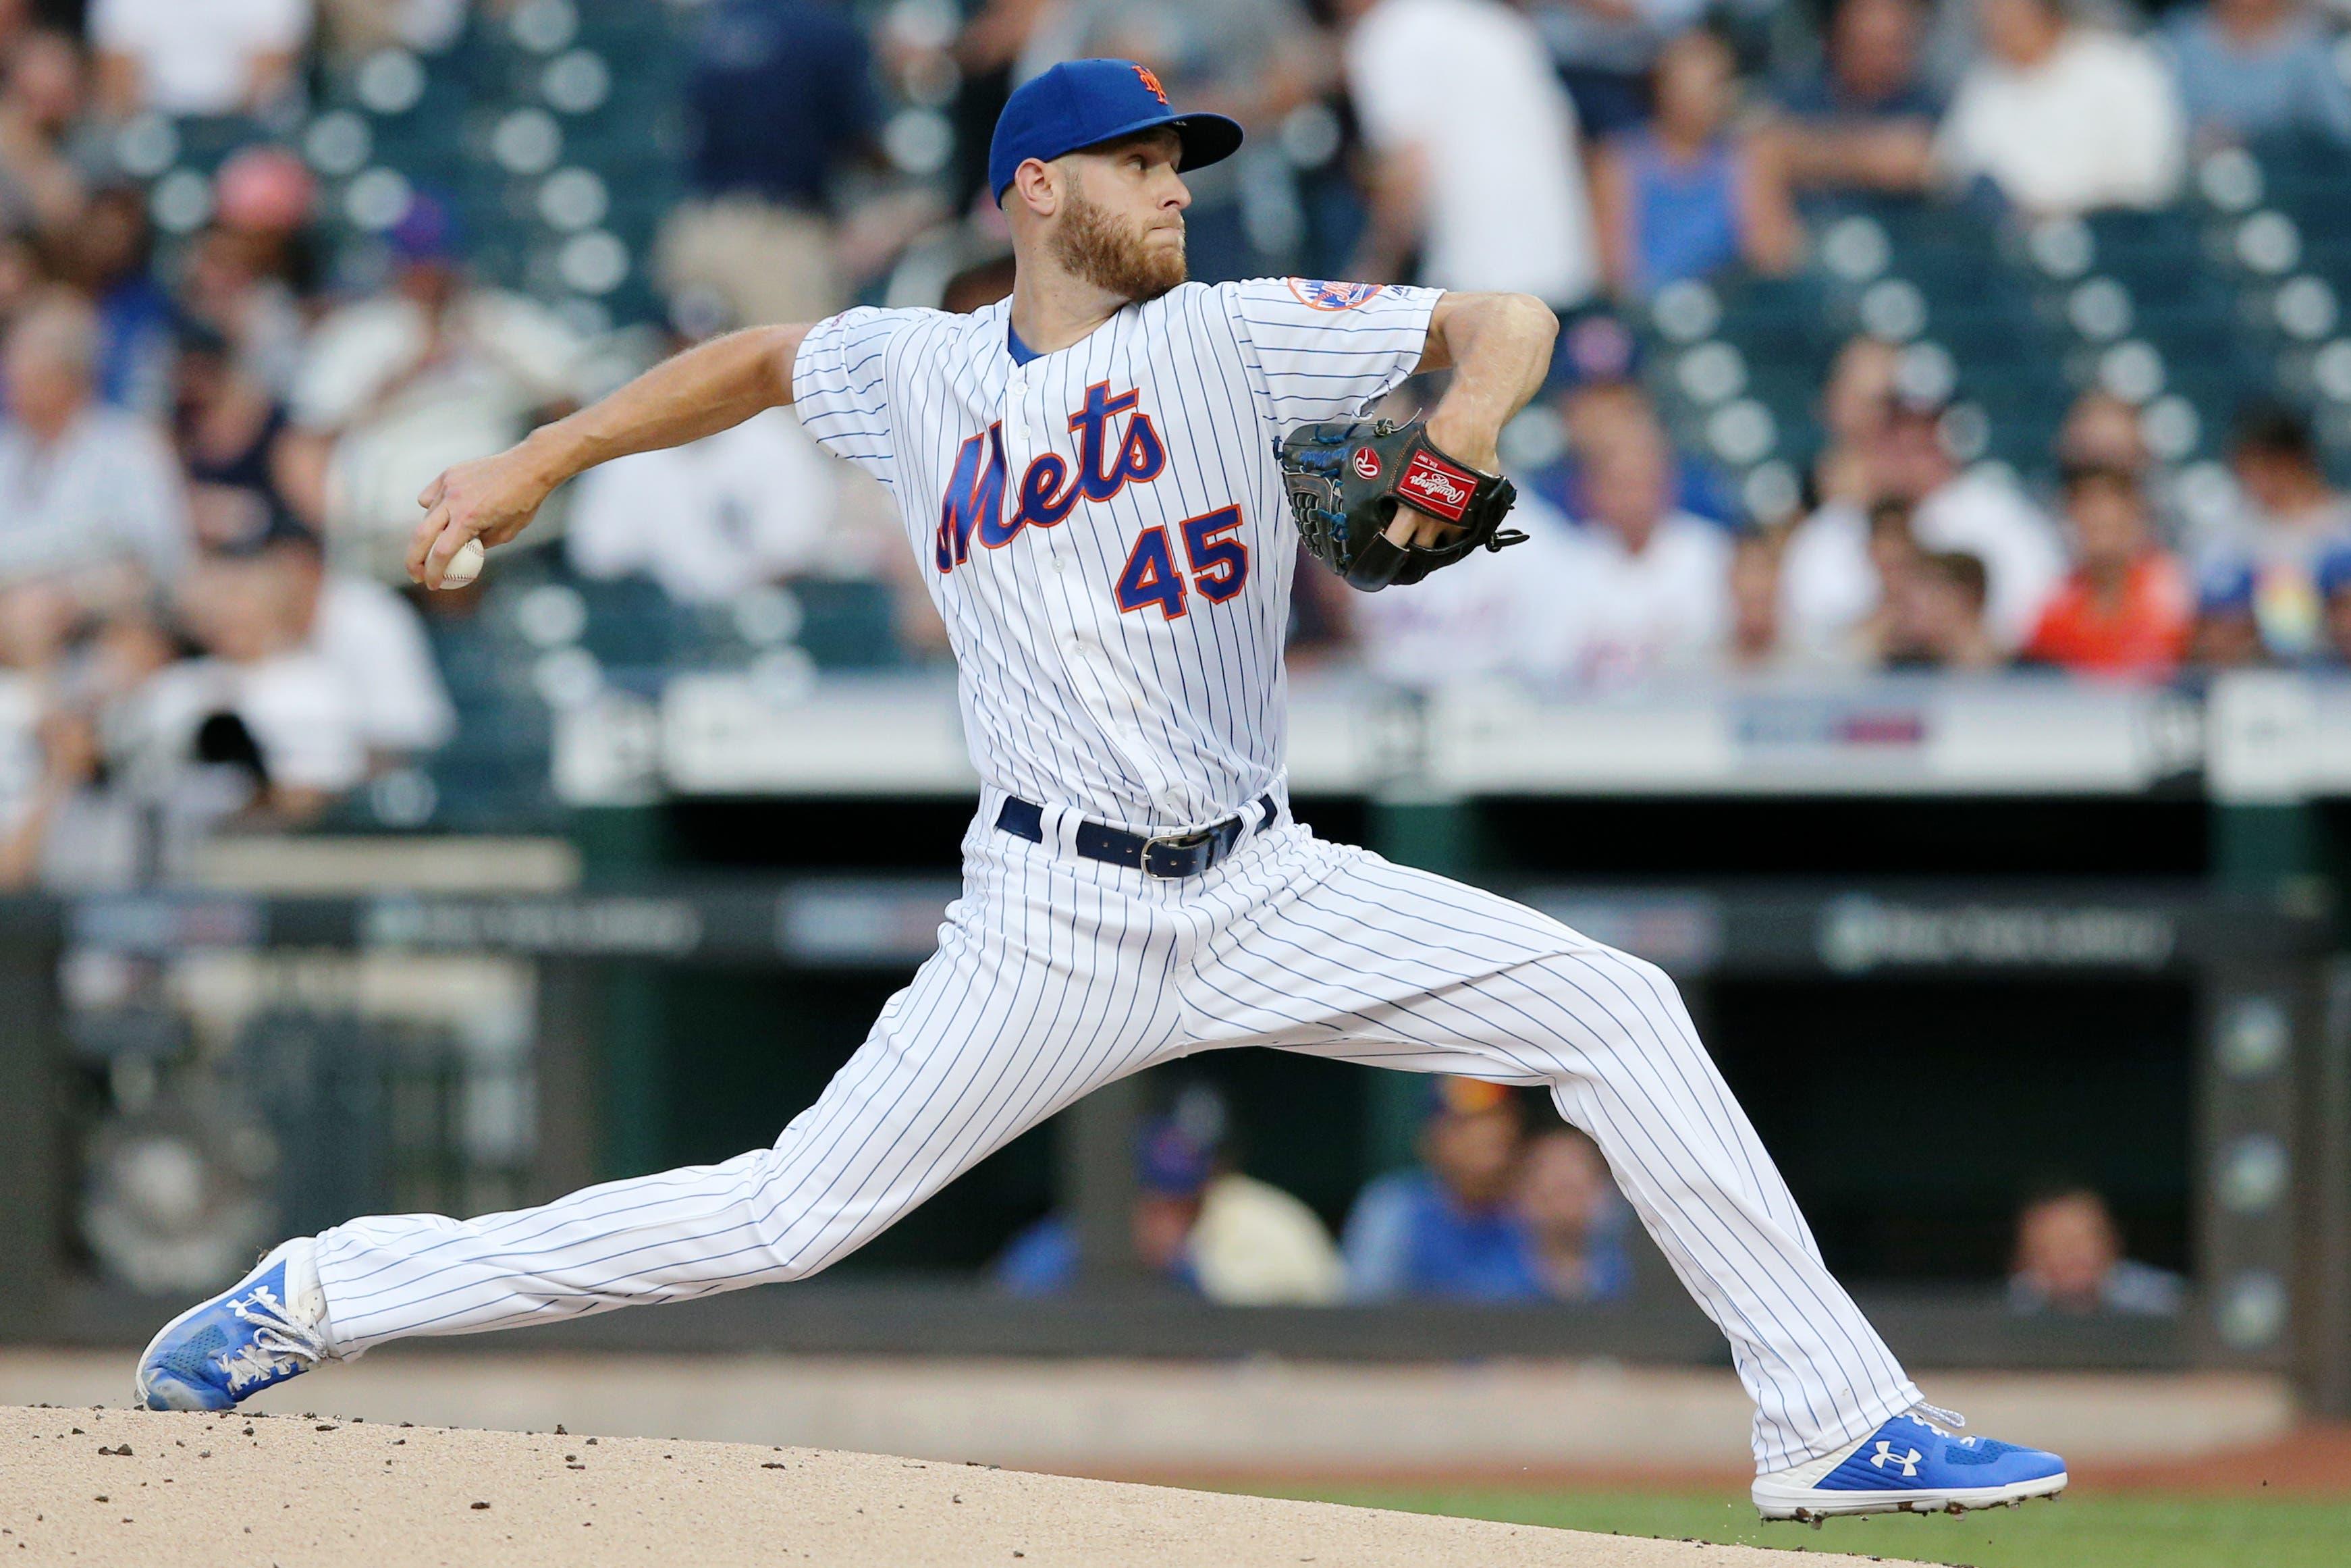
(109, 1486)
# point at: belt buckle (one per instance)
(1178, 843)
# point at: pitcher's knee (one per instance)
(1611, 976)
(1619, 1001)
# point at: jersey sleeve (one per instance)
(1326, 351)
(841, 385)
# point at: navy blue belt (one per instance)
(1170, 855)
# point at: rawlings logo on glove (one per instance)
(1342, 505)
(1436, 487)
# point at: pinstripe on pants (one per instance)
(1056, 975)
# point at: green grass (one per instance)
(2081, 1532)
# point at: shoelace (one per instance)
(275, 1336)
(1936, 1414)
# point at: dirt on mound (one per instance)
(103, 1486)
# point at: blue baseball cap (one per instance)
(426, 232)
(2332, 574)
(1084, 103)
(1171, 1160)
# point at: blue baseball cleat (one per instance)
(1911, 1466)
(265, 1329)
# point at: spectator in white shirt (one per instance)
(2289, 521)
(750, 504)
(196, 56)
(1491, 617)
(261, 705)
(394, 388)
(2062, 117)
(71, 833)
(83, 486)
(1756, 643)
(2257, 67)
(1644, 588)
(1828, 583)
(36, 623)
(1479, 165)
(371, 637)
(375, 642)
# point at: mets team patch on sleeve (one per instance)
(1321, 296)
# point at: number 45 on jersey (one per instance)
(1218, 564)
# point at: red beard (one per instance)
(1092, 246)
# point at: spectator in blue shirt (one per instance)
(2257, 67)
(1449, 1230)
(2228, 632)
(1171, 1169)
(2069, 1258)
(1574, 1219)
(780, 97)
(1198, 1223)
(1693, 190)
(108, 258)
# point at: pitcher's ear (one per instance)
(1036, 185)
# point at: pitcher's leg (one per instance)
(1609, 1037)
(999, 1030)
(1381, 964)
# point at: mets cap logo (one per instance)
(1323, 296)
(1151, 79)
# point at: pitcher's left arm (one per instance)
(1498, 346)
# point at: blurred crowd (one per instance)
(214, 435)
(1594, 152)
(1503, 1206)
(1893, 554)
(1906, 559)
(1493, 1211)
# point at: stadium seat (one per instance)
(848, 625)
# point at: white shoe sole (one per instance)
(1812, 1505)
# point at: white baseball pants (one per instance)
(1056, 975)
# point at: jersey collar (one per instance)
(1021, 353)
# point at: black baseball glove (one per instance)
(1345, 478)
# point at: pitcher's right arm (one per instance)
(710, 387)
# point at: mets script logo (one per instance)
(1435, 488)
(1366, 463)
(1151, 79)
(1107, 463)
(1324, 296)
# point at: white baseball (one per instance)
(465, 565)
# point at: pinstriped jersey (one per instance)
(1103, 529)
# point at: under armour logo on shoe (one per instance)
(261, 1306)
(1886, 1456)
